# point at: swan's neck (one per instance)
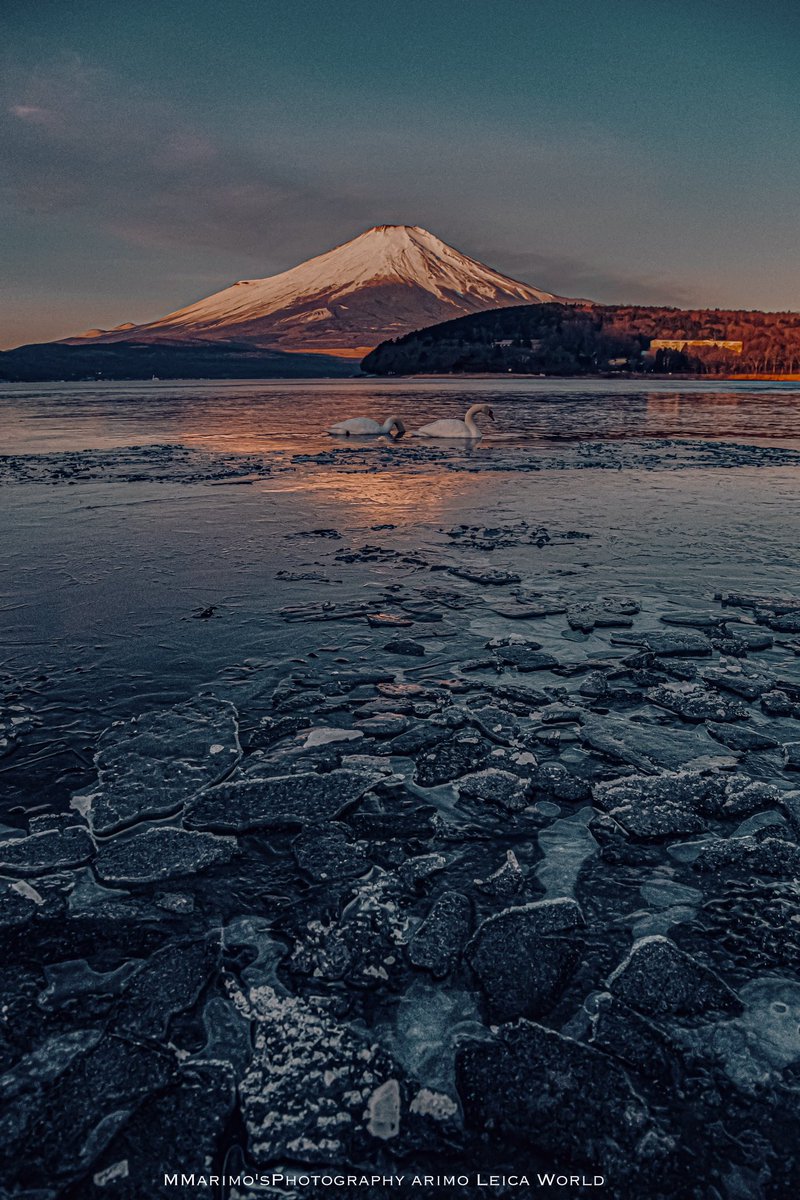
(469, 419)
(393, 423)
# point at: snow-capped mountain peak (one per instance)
(383, 283)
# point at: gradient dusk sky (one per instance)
(153, 152)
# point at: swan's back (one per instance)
(445, 427)
(449, 427)
(354, 426)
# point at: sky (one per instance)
(154, 152)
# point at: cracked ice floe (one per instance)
(46, 850)
(160, 853)
(278, 801)
(150, 765)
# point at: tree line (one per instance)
(569, 339)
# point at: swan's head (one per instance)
(486, 409)
(398, 426)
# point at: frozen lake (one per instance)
(130, 508)
(538, 703)
(280, 415)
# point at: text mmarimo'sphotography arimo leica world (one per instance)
(399, 600)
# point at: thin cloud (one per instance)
(592, 281)
(74, 141)
(30, 112)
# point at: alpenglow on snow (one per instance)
(385, 283)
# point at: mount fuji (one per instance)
(387, 282)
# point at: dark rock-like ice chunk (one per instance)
(525, 657)
(742, 639)
(459, 756)
(523, 610)
(524, 957)
(420, 737)
(697, 704)
(687, 642)
(182, 1125)
(561, 714)
(778, 703)
(641, 744)
(652, 808)
(271, 730)
(788, 622)
(168, 982)
(740, 795)
(605, 615)
(279, 801)
(161, 854)
(46, 850)
(326, 854)
(522, 697)
(384, 725)
(492, 577)
(438, 941)
(406, 647)
(745, 681)
(51, 1136)
(149, 766)
(657, 978)
(676, 803)
(763, 856)
(552, 781)
(536, 1087)
(504, 883)
(778, 604)
(420, 867)
(497, 723)
(502, 788)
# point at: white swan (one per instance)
(366, 427)
(450, 428)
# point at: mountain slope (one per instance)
(383, 284)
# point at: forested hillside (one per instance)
(568, 339)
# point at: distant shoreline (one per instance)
(439, 375)
(638, 376)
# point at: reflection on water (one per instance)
(377, 497)
(276, 415)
